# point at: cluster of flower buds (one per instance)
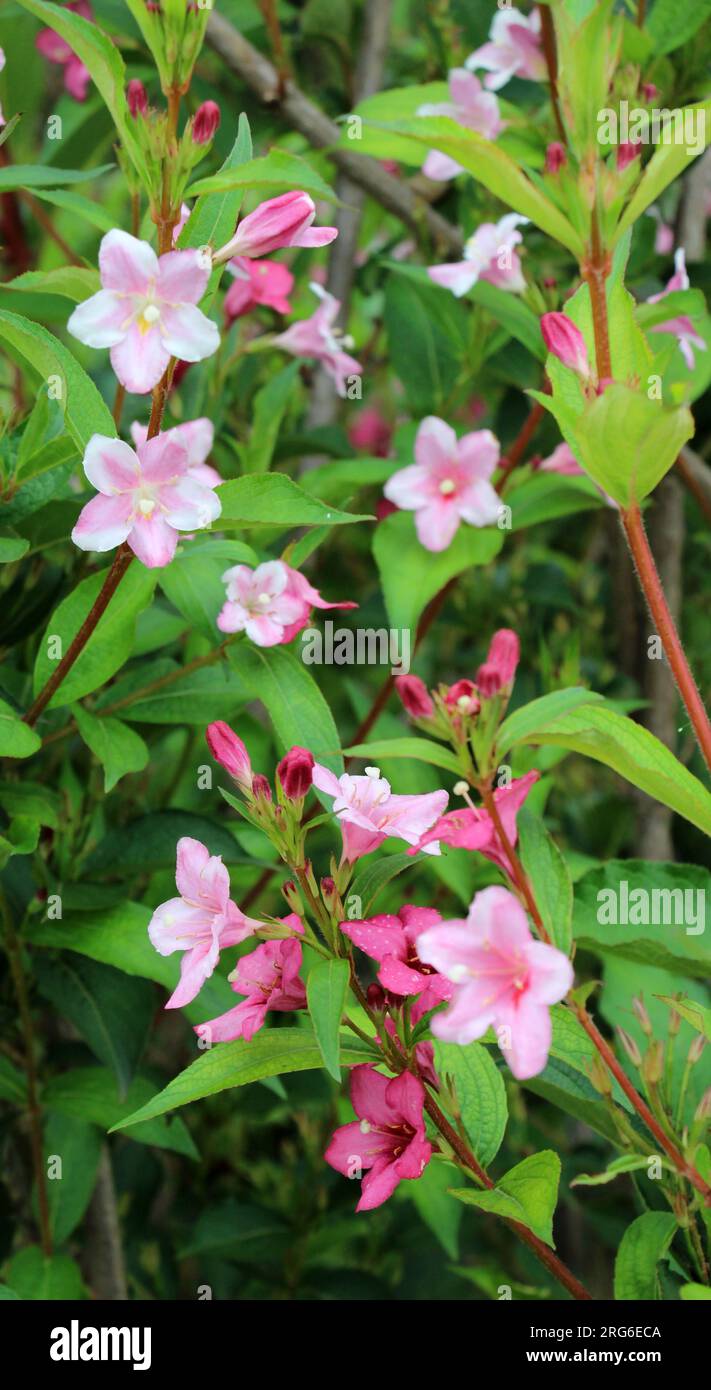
(169, 158)
(174, 31)
(280, 817)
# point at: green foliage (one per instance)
(527, 1193)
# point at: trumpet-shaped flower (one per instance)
(144, 498)
(448, 483)
(271, 603)
(317, 337)
(369, 811)
(502, 977)
(388, 1141)
(283, 221)
(197, 438)
(146, 311)
(473, 828)
(514, 49)
(266, 283)
(470, 107)
(201, 922)
(392, 940)
(681, 326)
(488, 255)
(269, 979)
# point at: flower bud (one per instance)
(295, 772)
(703, 1109)
(600, 1076)
(293, 898)
(499, 669)
(626, 152)
(461, 698)
(640, 1010)
(555, 157)
(137, 98)
(649, 91)
(261, 789)
(229, 750)
(630, 1047)
(375, 995)
(282, 221)
(205, 123)
(415, 696)
(653, 1064)
(696, 1048)
(566, 342)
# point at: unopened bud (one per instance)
(415, 696)
(261, 790)
(696, 1048)
(330, 896)
(375, 994)
(653, 1064)
(205, 123)
(293, 898)
(627, 152)
(600, 1076)
(703, 1109)
(555, 157)
(499, 669)
(295, 772)
(137, 98)
(565, 341)
(462, 697)
(674, 1023)
(630, 1047)
(640, 1010)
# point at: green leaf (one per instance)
(670, 25)
(627, 1163)
(277, 170)
(272, 1052)
(13, 1083)
(666, 164)
(527, 1193)
(546, 496)
(643, 1245)
(411, 575)
(292, 699)
(45, 176)
(643, 911)
(628, 442)
(428, 346)
(84, 410)
(480, 1092)
(33, 1275)
(395, 104)
(148, 842)
(214, 216)
(193, 697)
(513, 315)
(17, 740)
(111, 1010)
(70, 281)
(93, 213)
(69, 1187)
(548, 873)
(326, 990)
(193, 580)
(423, 750)
(119, 749)
(268, 410)
(89, 1094)
(110, 643)
(12, 547)
(375, 874)
(272, 499)
(695, 1293)
(698, 1015)
(431, 1195)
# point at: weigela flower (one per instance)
(470, 107)
(271, 603)
(369, 811)
(681, 326)
(145, 498)
(461, 698)
(563, 338)
(563, 461)
(488, 255)
(498, 671)
(392, 940)
(514, 49)
(503, 978)
(257, 283)
(229, 750)
(269, 979)
(202, 922)
(388, 1141)
(448, 483)
(317, 337)
(283, 221)
(371, 431)
(146, 311)
(197, 438)
(474, 829)
(57, 50)
(295, 772)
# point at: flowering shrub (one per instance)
(426, 339)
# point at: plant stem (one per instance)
(515, 454)
(551, 56)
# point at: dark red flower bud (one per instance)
(628, 151)
(555, 157)
(137, 98)
(261, 787)
(415, 696)
(205, 123)
(375, 994)
(295, 772)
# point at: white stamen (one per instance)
(447, 487)
(264, 600)
(151, 313)
(461, 788)
(147, 506)
(364, 1127)
(373, 772)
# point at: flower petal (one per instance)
(127, 265)
(188, 334)
(152, 540)
(101, 321)
(103, 523)
(182, 277)
(140, 359)
(111, 465)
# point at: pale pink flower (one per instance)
(265, 283)
(145, 498)
(563, 461)
(146, 311)
(317, 337)
(269, 979)
(283, 221)
(201, 922)
(57, 50)
(388, 1141)
(488, 255)
(271, 603)
(470, 107)
(469, 828)
(369, 811)
(448, 483)
(681, 326)
(514, 49)
(392, 940)
(503, 978)
(197, 438)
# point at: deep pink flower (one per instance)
(627, 152)
(556, 157)
(470, 107)
(145, 498)
(388, 1140)
(681, 326)
(474, 829)
(57, 50)
(295, 772)
(201, 922)
(283, 221)
(269, 979)
(503, 978)
(146, 311)
(498, 671)
(488, 255)
(415, 696)
(448, 483)
(462, 698)
(197, 438)
(392, 940)
(563, 338)
(369, 811)
(371, 431)
(229, 750)
(265, 283)
(137, 98)
(514, 49)
(317, 337)
(271, 603)
(205, 123)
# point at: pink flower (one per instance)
(295, 772)
(488, 255)
(503, 979)
(146, 311)
(371, 431)
(461, 698)
(498, 671)
(471, 108)
(271, 604)
(681, 326)
(196, 437)
(57, 50)
(229, 750)
(145, 498)
(205, 123)
(317, 337)
(392, 940)
(556, 157)
(514, 49)
(269, 978)
(563, 461)
(627, 152)
(474, 829)
(415, 696)
(283, 221)
(137, 98)
(388, 1140)
(184, 215)
(369, 812)
(448, 483)
(563, 338)
(265, 283)
(201, 922)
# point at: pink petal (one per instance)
(551, 973)
(531, 1032)
(182, 278)
(177, 926)
(400, 978)
(76, 78)
(265, 632)
(200, 876)
(164, 458)
(378, 937)
(152, 541)
(103, 523)
(467, 1018)
(140, 359)
(127, 265)
(196, 967)
(369, 1096)
(437, 524)
(315, 236)
(187, 333)
(346, 1149)
(479, 504)
(243, 1021)
(101, 321)
(378, 1185)
(435, 443)
(325, 780)
(440, 167)
(458, 276)
(189, 506)
(410, 487)
(479, 451)
(110, 465)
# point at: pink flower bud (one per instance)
(384, 508)
(261, 789)
(229, 750)
(626, 153)
(649, 91)
(461, 698)
(415, 696)
(283, 221)
(555, 157)
(137, 98)
(566, 342)
(295, 772)
(499, 669)
(205, 122)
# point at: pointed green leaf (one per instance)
(326, 990)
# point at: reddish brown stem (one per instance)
(515, 454)
(550, 54)
(517, 875)
(693, 486)
(47, 226)
(595, 272)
